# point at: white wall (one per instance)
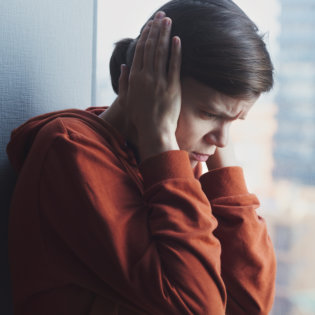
(46, 59)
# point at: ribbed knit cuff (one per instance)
(167, 165)
(224, 182)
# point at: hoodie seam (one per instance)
(124, 163)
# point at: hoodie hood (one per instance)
(23, 137)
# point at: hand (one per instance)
(223, 157)
(151, 94)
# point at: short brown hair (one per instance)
(221, 47)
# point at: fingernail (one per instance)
(160, 15)
(167, 22)
(176, 40)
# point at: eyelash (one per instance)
(209, 115)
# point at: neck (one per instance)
(116, 116)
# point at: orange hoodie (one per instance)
(92, 232)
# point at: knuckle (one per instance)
(149, 43)
(148, 79)
(160, 85)
(133, 78)
(132, 75)
(142, 79)
(160, 51)
(140, 44)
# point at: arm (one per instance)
(248, 258)
(157, 252)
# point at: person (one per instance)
(111, 213)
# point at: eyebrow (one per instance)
(216, 111)
(226, 116)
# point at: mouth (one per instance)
(200, 157)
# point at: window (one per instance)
(275, 145)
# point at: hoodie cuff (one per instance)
(164, 166)
(224, 182)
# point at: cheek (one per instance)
(190, 131)
(183, 131)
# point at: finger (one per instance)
(163, 47)
(151, 42)
(123, 81)
(137, 62)
(175, 61)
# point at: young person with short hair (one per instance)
(111, 212)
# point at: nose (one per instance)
(220, 135)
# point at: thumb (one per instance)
(123, 81)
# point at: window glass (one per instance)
(275, 145)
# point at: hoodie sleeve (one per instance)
(155, 250)
(248, 258)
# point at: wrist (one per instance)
(156, 145)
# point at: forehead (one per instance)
(200, 95)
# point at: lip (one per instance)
(200, 157)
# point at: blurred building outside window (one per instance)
(275, 145)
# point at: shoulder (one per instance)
(70, 137)
(70, 128)
(79, 151)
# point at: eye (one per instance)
(208, 115)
